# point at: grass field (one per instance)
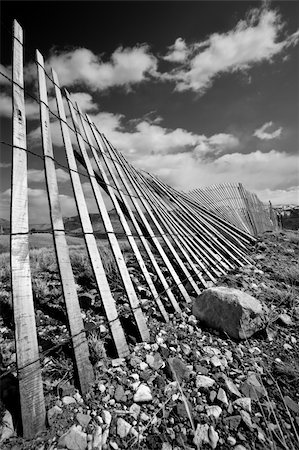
(38, 240)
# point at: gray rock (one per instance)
(73, 439)
(222, 397)
(202, 381)
(143, 394)
(293, 406)
(285, 319)
(83, 419)
(68, 400)
(252, 388)
(243, 403)
(6, 428)
(52, 414)
(236, 313)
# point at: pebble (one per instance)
(287, 346)
(285, 319)
(143, 394)
(123, 428)
(203, 381)
(252, 388)
(222, 397)
(83, 419)
(232, 387)
(231, 440)
(214, 411)
(213, 437)
(73, 439)
(244, 403)
(246, 419)
(6, 428)
(240, 447)
(52, 414)
(68, 400)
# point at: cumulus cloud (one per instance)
(261, 133)
(260, 172)
(126, 67)
(255, 39)
(178, 52)
(149, 138)
(37, 175)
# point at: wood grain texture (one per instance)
(28, 364)
(114, 245)
(90, 241)
(76, 326)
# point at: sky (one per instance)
(198, 93)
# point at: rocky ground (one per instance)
(191, 387)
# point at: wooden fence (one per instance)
(189, 239)
(238, 206)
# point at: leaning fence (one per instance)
(189, 239)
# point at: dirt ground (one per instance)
(198, 380)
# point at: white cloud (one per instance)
(127, 66)
(281, 196)
(178, 52)
(149, 138)
(38, 176)
(252, 41)
(261, 133)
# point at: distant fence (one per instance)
(238, 206)
(188, 240)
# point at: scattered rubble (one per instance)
(189, 387)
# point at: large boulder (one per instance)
(236, 313)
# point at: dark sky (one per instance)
(216, 140)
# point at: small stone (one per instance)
(135, 410)
(222, 397)
(6, 428)
(155, 361)
(143, 394)
(201, 435)
(186, 349)
(232, 387)
(113, 445)
(215, 361)
(78, 398)
(232, 421)
(293, 406)
(143, 366)
(203, 381)
(240, 447)
(52, 414)
(73, 439)
(287, 346)
(213, 437)
(214, 411)
(246, 419)
(83, 419)
(119, 394)
(252, 388)
(212, 396)
(68, 400)
(166, 446)
(201, 369)
(118, 362)
(231, 440)
(123, 428)
(285, 319)
(243, 403)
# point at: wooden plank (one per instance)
(207, 227)
(176, 278)
(68, 285)
(28, 364)
(115, 248)
(122, 218)
(91, 245)
(101, 143)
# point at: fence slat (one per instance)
(115, 248)
(28, 363)
(127, 172)
(123, 221)
(100, 143)
(69, 291)
(91, 245)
